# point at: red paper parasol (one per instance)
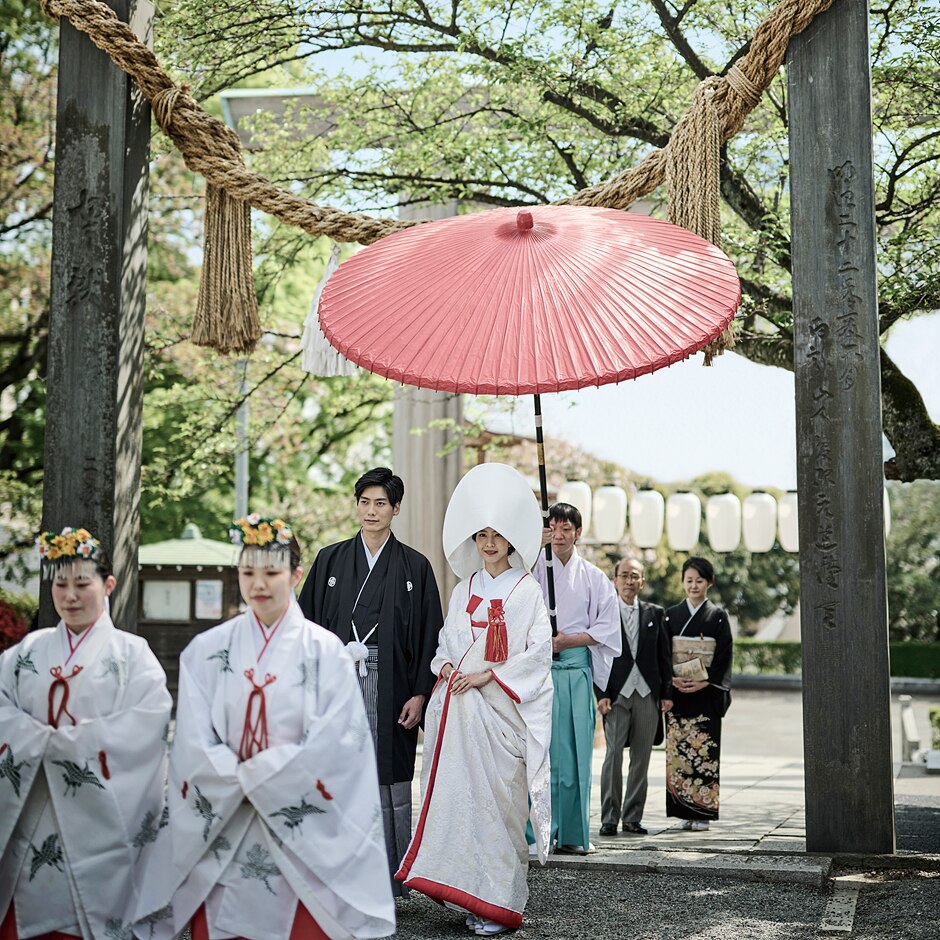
(516, 302)
(513, 302)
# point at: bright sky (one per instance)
(687, 420)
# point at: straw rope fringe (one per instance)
(227, 315)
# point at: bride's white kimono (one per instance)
(300, 820)
(78, 801)
(485, 755)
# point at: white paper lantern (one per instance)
(578, 494)
(647, 515)
(788, 529)
(723, 515)
(887, 511)
(683, 521)
(759, 522)
(610, 514)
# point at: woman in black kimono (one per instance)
(693, 735)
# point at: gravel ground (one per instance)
(608, 906)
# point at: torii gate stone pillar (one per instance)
(843, 603)
(96, 322)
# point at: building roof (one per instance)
(189, 551)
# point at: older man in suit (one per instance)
(637, 693)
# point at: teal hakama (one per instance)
(571, 751)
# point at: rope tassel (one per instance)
(497, 643)
(255, 733)
(227, 309)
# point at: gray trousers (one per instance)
(396, 797)
(630, 720)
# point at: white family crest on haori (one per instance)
(273, 801)
(497, 496)
(486, 749)
(82, 751)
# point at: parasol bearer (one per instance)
(379, 596)
(83, 718)
(588, 641)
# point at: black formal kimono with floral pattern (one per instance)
(693, 727)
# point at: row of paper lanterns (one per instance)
(758, 521)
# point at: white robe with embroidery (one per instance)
(485, 754)
(78, 802)
(586, 603)
(299, 821)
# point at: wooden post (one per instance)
(843, 603)
(96, 324)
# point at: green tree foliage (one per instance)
(913, 558)
(307, 437)
(504, 103)
(27, 108)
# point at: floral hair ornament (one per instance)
(59, 549)
(264, 541)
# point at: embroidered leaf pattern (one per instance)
(147, 832)
(223, 657)
(10, 770)
(219, 844)
(50, 853)
(165, 737)
(295, 815)
(165, 817)
(113, 666)
(114, 929)
(360, 733)
(202, 807)
(24, 664)
(259, 866)
(151, 920)
(309, 675)
(75, 776)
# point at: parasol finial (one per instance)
(524, 220)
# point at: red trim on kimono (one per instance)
(505, 688)
(412, 853)
(442, 893)
(303, 928)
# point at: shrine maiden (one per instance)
(488, 722)
(275, 825)
(83, 720)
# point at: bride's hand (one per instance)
(470, 680)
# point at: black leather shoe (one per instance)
(634, 829)
(608, 829)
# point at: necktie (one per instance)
(632, 629)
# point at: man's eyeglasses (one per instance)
(632, 576)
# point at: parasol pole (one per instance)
(543, 487)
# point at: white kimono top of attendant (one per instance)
(586, 602)
(296, 818)
(78, 801)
